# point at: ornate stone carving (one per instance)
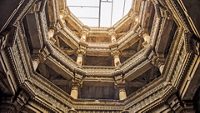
(150, 96)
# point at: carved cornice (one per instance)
(178, 15)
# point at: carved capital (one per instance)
(158, 61)
(44, 53)
(51, 33)
(134, 16)
(112, 32)
(146, 38)
(64, 14)
(77, 80)
(81, 50)
(85, 31)
(115, 52)
(119, 81)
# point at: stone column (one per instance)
(80, 54)
(74, 91)
(122, 93)
(159, 62)
(120, 82)
(40, 58)
(116, 58)
(146, 38)
(50, 35)
(84, 34)
(64, 14)
(115, 52)
(134, 16)
(161, 67)
(76, 83)
(113, 36)
(79, 60)
(35, 63)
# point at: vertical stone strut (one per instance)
(120, 82)
(114, 50)
(82, 50)
(80, 54)
(74, 91)
(122, 93)
(146, 38)
(112, 35)
(84, 34)
(116, 58)
(76, 83)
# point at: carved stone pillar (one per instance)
(80, 54)
(35, 63)
(122, 93)
(76, 83)
(133, 15)
(161, 67)
(84, 34)
(64, 14)
(79, 60)
(50, 35)
(112, 35)
(116, 58)
(74, 91)
(120, 82)
(44, 53)
(159, 62)
(146, 38)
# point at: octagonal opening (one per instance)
(99, 13)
